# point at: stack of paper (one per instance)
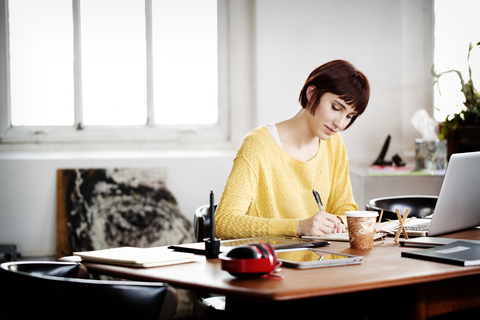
(136, 257)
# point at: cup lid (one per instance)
(361, 214)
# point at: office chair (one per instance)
(206, 306)
(420, 206)
(201, 222)
(61, 290)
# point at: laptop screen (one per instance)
(458, 204)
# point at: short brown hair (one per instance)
(341, 78)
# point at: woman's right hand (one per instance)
(320, 224)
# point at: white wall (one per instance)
(390, 41)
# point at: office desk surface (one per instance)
(382, 267)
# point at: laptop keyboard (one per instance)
(418, 227)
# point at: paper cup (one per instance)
(361, 228)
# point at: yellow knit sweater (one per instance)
(268, 191)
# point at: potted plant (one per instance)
(462, 130)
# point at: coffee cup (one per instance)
(361, 228)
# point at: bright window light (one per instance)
(124, 75)
(41, 62)
(113, 62)
(185, 67)
(456, 25)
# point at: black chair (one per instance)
(201, 222)
(61, 290)
(206, 306)
(420, 206)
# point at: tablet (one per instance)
(227, 245)
(314, 258)
(277, 243)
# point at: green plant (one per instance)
(470, 115)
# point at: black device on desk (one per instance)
(227, 245)
(380, 161)
(381, 157)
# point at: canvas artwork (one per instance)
(106, 208)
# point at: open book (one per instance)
(137, 257)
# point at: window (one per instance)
(456, 25)
(114, 70)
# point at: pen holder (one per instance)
(212, 248)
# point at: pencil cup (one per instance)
(361, 228)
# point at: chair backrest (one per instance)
(51, 290)
(419, 206)
(201, 222)
(46, 268)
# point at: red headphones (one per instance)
(254, 259)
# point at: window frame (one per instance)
(167, 135)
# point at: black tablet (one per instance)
(227, 245)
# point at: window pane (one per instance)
(113, 62)
(185, 65)
(456, 25)
(41, 62)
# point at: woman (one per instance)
(269, 190)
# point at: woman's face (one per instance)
(331, 115)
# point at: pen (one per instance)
(317, 198)
(212, 217)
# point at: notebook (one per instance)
(458, 204)
(462, 253)
(430, 242)
(136, 257)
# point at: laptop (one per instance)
(458, 204)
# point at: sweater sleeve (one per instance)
(231, 220)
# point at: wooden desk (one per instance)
(395, 287)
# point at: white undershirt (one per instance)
(272, 128)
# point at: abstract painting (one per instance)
(106, 208)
